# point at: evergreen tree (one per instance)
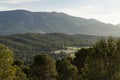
(66, 70)
(80, 57)
(43, 68)
(103, 61)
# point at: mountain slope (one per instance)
(21, 21)
(27, 45)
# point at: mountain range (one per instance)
(22, 21)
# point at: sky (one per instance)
(107, 11)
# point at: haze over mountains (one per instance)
(22, 21)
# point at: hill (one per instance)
(25, 46)
(22, 21)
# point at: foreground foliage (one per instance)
(100, 62)
(7, 71)
(66, 70)
(43, 68)
(103, 62)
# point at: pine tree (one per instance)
(103, 61)
(43, 68)
(66, 70)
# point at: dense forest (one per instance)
(25, 46)
(99, 62)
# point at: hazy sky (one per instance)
(104, 10)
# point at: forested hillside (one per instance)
(100, 62)
(27, 45)
(22, 21)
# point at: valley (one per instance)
(25, 46)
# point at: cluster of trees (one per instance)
(42, 68)
(100, 62)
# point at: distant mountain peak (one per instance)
(23, 21)
(17, 10)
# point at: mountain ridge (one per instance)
(23, 21)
